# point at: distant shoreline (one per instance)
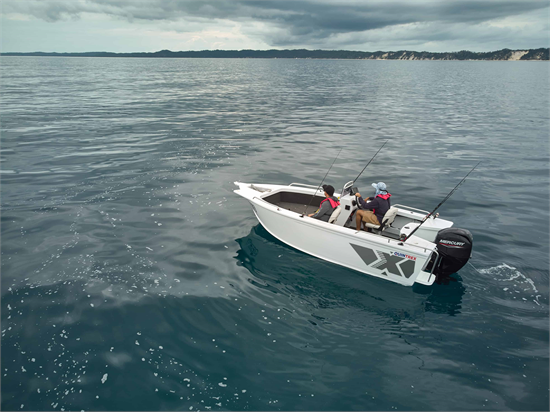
(541, 54)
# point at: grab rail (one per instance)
(411, 208)
(437, 259)
(303, 184)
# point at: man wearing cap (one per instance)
(327, 205)
(373, 211)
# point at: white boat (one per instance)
(433, 250)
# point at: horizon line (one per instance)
(273, 50)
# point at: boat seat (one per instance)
(335, 213)
(388, 219)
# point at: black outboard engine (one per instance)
(455, 249)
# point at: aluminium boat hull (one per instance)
(368, 253)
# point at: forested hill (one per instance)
(504, 54)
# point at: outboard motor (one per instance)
(455, 249)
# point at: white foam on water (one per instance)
(507, 273)
(104, 379)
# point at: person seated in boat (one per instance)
(327, 205)
(373, 211)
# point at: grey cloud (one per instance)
(49, 11)
(292, 22)
(317, 21)
(457, 36)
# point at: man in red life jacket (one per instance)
(373, 211)
(327, 205)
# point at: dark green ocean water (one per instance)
(133, 278)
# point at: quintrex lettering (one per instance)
(404, 255)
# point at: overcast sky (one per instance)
(366, 25)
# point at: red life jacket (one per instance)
(385, 197)
(332, 202)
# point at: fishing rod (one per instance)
(310, 200)
(443, 201)
(369, 162)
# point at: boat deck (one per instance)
(295, 202)
(296, 207)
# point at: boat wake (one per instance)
(521, 283)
